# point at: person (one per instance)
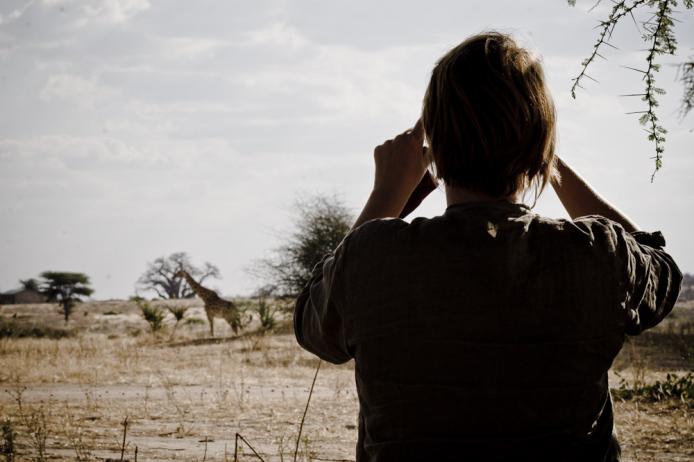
(485, 333)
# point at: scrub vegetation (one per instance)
(190, 397)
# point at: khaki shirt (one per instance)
(486, 332)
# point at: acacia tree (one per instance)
(320, 224)
(657, 32)
(160, 276)
(66, 289)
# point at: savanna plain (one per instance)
(106, 387)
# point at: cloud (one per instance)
(339, 79)
(77, 90)
(101, 11)
(193, 47)
(278, 34)
(162, 122)
(16, 13)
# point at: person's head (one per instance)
(489, 118)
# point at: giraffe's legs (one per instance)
(210, 318)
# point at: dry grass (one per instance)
(187, 397)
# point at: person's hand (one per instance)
(400, 164)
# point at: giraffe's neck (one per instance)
(202, 292)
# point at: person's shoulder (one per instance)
(376, 230)
(594, 232)
(589, 230)
(599, 229)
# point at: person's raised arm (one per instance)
(400, 166)
(579, 199)
(648, 275)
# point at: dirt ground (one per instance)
(186, 396)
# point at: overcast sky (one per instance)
(131, 129)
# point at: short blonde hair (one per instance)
(489, 118)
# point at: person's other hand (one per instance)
(400, 164)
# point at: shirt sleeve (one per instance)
(648, 279)
(653, 281)
(318, 323)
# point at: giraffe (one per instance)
(215, 306)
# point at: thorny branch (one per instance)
(658, 34)
(686, 76)
(619, 10)
(662, 41)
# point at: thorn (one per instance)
(594, 6)
(637, 70)
(636, 24)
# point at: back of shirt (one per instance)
(487, 331)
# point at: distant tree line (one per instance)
(319, 225)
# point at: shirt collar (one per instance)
(490, 205)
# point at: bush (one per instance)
(10, 328)
(153, 315)
(266, 314)
(178, 312)
(320, 224)
(673, 387)
(265, 307)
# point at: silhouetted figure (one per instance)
(486, 333)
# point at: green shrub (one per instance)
(178, 312)
(673, 387)
(153, 315)
(266, 314)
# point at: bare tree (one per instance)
(160, 276)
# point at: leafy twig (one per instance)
(662, 41)
(619, 10)
(686, 76)
(658, 34)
